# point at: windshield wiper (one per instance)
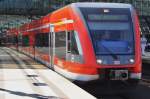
(110, 52)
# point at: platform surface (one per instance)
(23, 78)
(146, 57)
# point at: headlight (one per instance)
(99, 61)
(132, 60)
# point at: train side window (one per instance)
(9, 39)
(45, 40)
(15, 40)
(60, 44)
(38, 40)
(25, 41)
(41, 40)
(19, 39)
(73, 44)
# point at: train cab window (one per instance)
(60, 44)
(25, 41)
(69, 42)
(73, 44)
(73, 47)
(74, 52)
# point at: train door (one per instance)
(58, 41)
(51, 45)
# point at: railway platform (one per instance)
(146, 57)
(23, 78)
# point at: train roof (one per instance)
(101, 5)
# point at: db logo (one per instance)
(116, 62)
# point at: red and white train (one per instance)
(85, 41)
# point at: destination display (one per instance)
(105, 17)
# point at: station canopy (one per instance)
(14, 13)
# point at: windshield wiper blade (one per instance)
(110, 52)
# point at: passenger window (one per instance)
(60, 44)
(15, 41)
(41, 40)
(25, 41)
(9, 40)
(20, 39)
(38, 40)
(45, 40)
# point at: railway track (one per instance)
(144, 83)
(146, 72)
(101, 94)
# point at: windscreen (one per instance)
(111, 30)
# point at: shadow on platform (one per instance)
(37, 96)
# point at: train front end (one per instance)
(114, 40)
